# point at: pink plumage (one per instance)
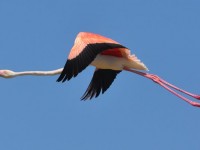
(108, 56)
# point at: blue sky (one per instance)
(39, 113)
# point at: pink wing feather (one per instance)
(85, 38)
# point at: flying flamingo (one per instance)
(110, 58)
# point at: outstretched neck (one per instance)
(39, 73)
(11, 74)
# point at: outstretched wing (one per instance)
(101, 81)
(86, 47)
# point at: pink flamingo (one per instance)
(109, 57)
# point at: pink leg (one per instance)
(158, 79)
(165, 84)
(180, 96)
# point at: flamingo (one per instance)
(110, 58)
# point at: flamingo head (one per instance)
(7, 73)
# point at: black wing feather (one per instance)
(101, 81)
(78, 64)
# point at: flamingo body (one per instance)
(116, 63)
(108, 56)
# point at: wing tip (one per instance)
(101, 81)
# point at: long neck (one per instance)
(39, 73)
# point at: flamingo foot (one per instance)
(194, 104)
(197, 97)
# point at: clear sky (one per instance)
(37, 113)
